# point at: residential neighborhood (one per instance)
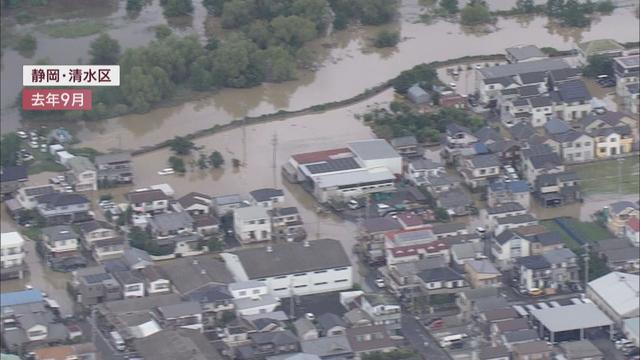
(480, 208)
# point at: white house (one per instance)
(508, 246)
(572, 100)
(101, 239)
(310, 267)
(26, 196)
(503, 210)
(252, 223)
(267, 197)
(252, 297)
(156, 281)
(541, 110)
(343, 186)
(524, 53)
(575, 146)
(420, 170)
(133, 285)
(84, 174)
(148, 201)
(477, 169)
(12, 255)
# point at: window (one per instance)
(300, 286)
(281, 277)
(578, 145)
(280, 289)
(262, 221)
(300, 274)
(341, 280)
(320, 283)
(612, 139)
(242, 293)
(256, 291)
(320, 271)
(340, 269)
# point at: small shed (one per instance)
(418, 96)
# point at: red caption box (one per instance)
(56, 99)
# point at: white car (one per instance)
(380, 283)
(167, 171)
(22, 135)
(34, 144)
(383, 207)
(452, 85)
(44, 148)
(353, 204)
(478, 66)
(310, 316)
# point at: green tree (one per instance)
(212, 43)
(162, 31)
(598, 65)
(293, 30)
(260, 33)
(236, 162)
(375, 12)
(441, 214)
(450, 6)
(237, 13)
(202, 161)
(279, 64)
(26, 45)
(475, 14)
(555, 7)
(423, 74)
(574, 15)
(236, 63)
(216, 159)
(181, 145)
(605, 7)
(9, 149)
(214, 6)
(201, 79)
(104, 50)
(177, 7)
(386, 38)
(526, 6)
(429, 135)
(135, 5)
(177, 164)
(214, 244)
(318, 11)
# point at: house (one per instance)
(443, 183)
(457, 202)
(632, 231)
(523, 53)
(490, 80)
(63, 208)
(518, 337)
(310, 267)
(188, 275)
(477, 169)
(370, 339)
(305, 329)
(612, 141)
(131, 259)
(442, 282)
(252, 297)
(500, 192)
(607, 47)
(226, 204)
(342, 186)
(627, 72)
(287, 224)
(472, 302)
(609, 119)
(503, 210)
(453, 101)
(101, 239)
(329, 348)
(534, 350)
(27, 196)
(114, 168)
(619, 255)
(12, 178)
(267, 197)
(544, 242)
(541, 108)
(581, 350)
(507, 247)
(264, 344)
(418, 96)
(521, 131)
(631, 99)
(83, 174)
(538, 160)
(616, 294)
(382, 309)
(459, 136)
(564, 267)
(495, 353)
(185, 345)
(420, 170)
(152, 201)
(195, 203)
(131, 282)
(64, 352)
(12, 255)
(331, 324)
(411, 245)
(252, 223)
(206, 224)
(376, 153)
(186, 315)
(465, 252)
(482, 273)
(60, 240)
(372, 231)
(27, 324)
(574, 146)
(555, 270)
(507, 151)
(406, 146)
(166, 225)
(156, 280)
(572, 100)
(497, 315)
(618, 213)
(502, 327)
(514, 222)
(557, 189)
(93, 285)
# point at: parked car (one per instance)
(22, 135)
(354, 204)
(380, 283)
(34, 144)
(67, 264)
(535, 292)
(310, 316)
(167, 171)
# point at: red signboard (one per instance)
(56, 99)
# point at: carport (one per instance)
(570, 322)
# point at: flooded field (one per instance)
(348, 65)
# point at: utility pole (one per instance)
(620, 161)
(274, 142)
(586, 265)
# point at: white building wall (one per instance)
(316, 282)
(392, 164)
(63, 246)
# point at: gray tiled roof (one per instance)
(439, 274)
(483, 161)
(265, 194)
(504, 208)
(525, 67)
(373, 149)
(292, 258)
(516, 219)
(540, 101)
(573, 90)
(533, 78)
(524, 52)
(59, 233)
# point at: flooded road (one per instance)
(347, 66)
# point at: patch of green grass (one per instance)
(602, 176)
(589, 231)
(568, 240)
(32, 233)
(46, 165)
(74, 29)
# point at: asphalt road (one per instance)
(420, 340)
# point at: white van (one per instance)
(452, 339)
(117, 341)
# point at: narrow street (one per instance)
(420, 340)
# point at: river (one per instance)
(348, 65)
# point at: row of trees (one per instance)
(569, 12)
(401, 120)
(9, 149)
